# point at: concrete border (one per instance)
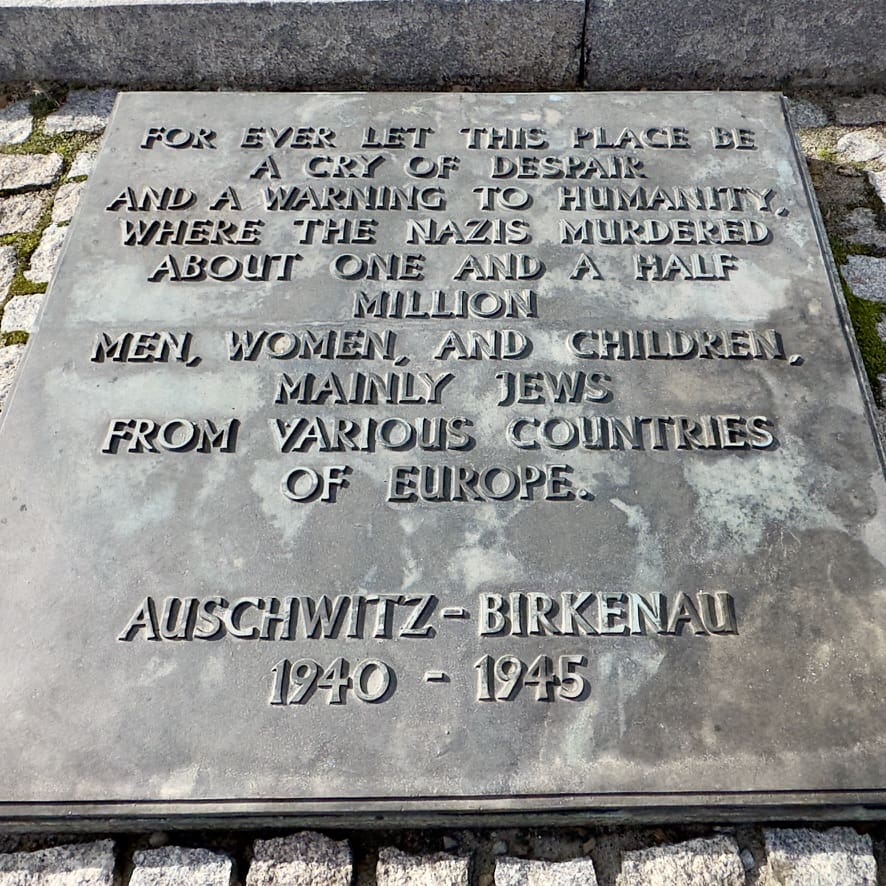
(696, 44)
(441, 44)
(294, 44)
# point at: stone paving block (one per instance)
(862, 110)
(20, 312)
(66, 199)
(701, 862)
(860, 226)
(10, 357)
(84, 162)
(305, 859)
(878, 183)
(804, 857)
(16, 123)
(396, 868)
(7, 269)
(78, 864)
(805, 114)
(862, 146)
(45, 256)
(86, 110)
(27, 172)
(866, 276)
(179, 866)
(19, 213)
(524, 872)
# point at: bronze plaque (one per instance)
(408, 455)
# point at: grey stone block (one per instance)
(79, 864)
(16, 123)
(19, 313)
(19, 213)
(862, 146)
(860, 110)
(702, 862)
(66, 199)
(334, 44)
(523, 872)
(860, 226)
(7, 269)
(866, 276)
(45, 256)
(878, 183)
(758, 43)
(305, 859)
(85, 110)
(20, 863)
(805, 114)
(803, 857)
(26, 172)
(84, 162)
(396, 868)
(178, 866)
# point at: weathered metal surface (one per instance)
(611, 540)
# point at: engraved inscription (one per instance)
(432, 316)
(441, 454)
(295, 682)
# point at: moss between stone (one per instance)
(25, 244)
(841, 250)
(865, 316)
(14, 338)
(47, 97)
(68, 145)
(840, 188)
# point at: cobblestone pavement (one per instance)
(719, 856)
(48, 144)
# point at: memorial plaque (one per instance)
(396, 456)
